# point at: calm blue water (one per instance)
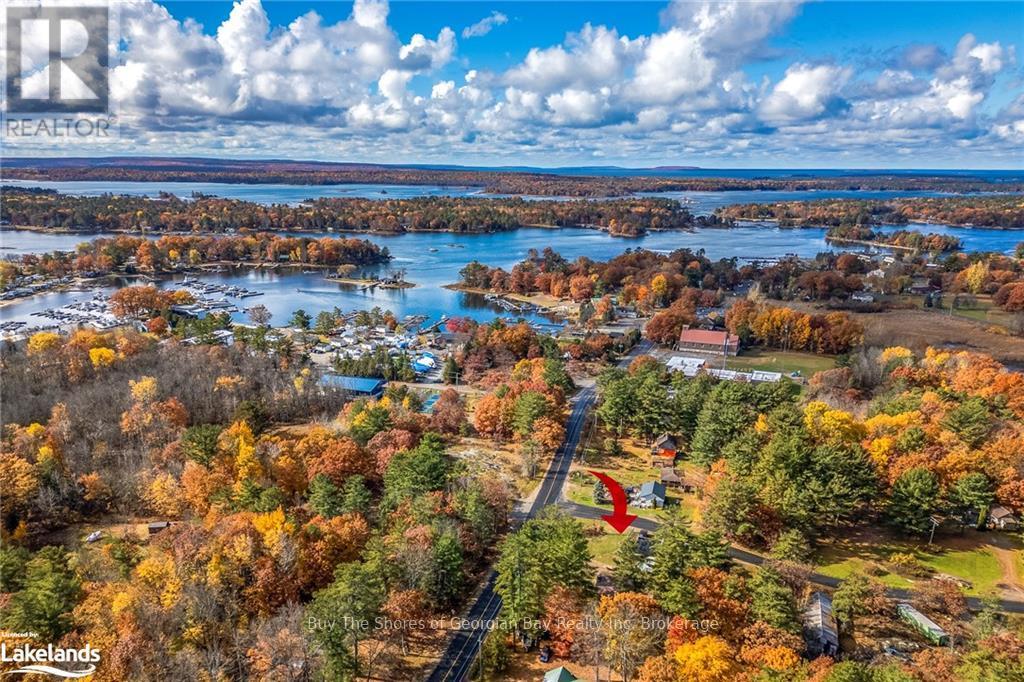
(260, 194)
(434, 259)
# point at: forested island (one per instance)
(171, 253)
(900, 239)
(1006, 211)
(491, 181)
(168, 213)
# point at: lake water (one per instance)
(434, 259)
(700, 203)
(260, 194)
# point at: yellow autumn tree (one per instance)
(896, 355)
(238, 443)
(706, 659)
(247, 465)
(880, 450)
(164, 495)
(659, 288)
(43, 342)
(144, 390)
(102, 357)
(274, 529)
(158, 577)
(825, 424)
(18, 481)
(975, 276)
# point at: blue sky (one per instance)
(718, 84)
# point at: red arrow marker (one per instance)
(619, 519)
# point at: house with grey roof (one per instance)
(650, 495)
(821, 633)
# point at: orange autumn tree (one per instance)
(563, 612)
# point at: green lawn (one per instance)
(604, 546)
(983, 310)
(976, 564)
(843, 568)
(583, 492)
(979, 566)
(781, 361)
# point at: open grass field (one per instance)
(781, 361)
(920, 328)
(972, 557)
(603, 545)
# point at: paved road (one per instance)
(457, 660)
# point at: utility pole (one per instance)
(935, 524)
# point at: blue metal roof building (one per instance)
(369, 386)
(428, 404)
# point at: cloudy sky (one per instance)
(716, 84)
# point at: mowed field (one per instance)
(918, 329)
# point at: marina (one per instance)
(428, 260)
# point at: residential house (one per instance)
(664, 450)
(821, 633)
(157, 526)
(708, 341)
(1002, 518)
(921, 285)
(651, 495)
(671, 478)
(559, 674)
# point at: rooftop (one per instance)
(655, 488)
(707, 336)
(818, 616)
(559, 674)
(354, 384)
